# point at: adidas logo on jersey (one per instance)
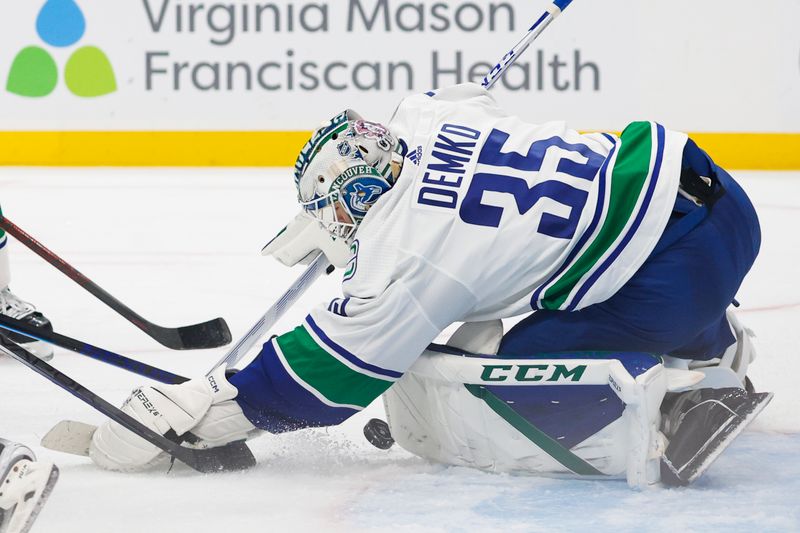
(416, 156)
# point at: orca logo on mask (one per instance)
(362, 193)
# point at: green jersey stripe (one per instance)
(317, 368)
(629, 178)
(314, 392)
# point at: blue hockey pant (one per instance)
(676, 303)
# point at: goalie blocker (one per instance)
(586, 415)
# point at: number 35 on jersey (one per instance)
(486, 180)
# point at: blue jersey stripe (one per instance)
(3, 242)
(347, 355)
(272, 400)
(584, 240)
(661, 140)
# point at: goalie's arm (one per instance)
(340, 359)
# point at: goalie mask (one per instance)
(343, 170)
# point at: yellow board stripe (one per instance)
(734, 151)
(152, 148)
(752, 151)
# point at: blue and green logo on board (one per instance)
(88, 72)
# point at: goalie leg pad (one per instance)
(544, 415)
(729, 370)
(743, 352)
(478, 337)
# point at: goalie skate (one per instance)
(12, 306)
(700, 425)
(25, 485)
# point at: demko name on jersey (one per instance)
(454, 148)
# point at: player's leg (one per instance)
(25, 485)
(676, 305)
(11, 305)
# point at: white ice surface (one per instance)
(182, 246)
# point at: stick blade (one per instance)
(211, 334)
(75, 438)
(70, 437)
(233, 457)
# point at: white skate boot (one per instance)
(25, 485)
(12, 306)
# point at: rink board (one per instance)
(734, 151)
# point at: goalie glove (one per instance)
(201, 412)
(303, 239)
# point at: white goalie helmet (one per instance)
(343, 170)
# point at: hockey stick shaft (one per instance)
(234, 456)
(99, 354)
(533, 33)
(315, 270)
(210, 334)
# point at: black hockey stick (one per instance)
(211, 334)
(232, 457)
(99, 354)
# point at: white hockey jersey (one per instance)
(491, 217)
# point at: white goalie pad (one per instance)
(524, 415)
(730, 370)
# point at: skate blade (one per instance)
(730, 437)
(70, 437)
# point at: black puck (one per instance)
(378, 434)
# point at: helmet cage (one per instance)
(348, 199)
(343, 170)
